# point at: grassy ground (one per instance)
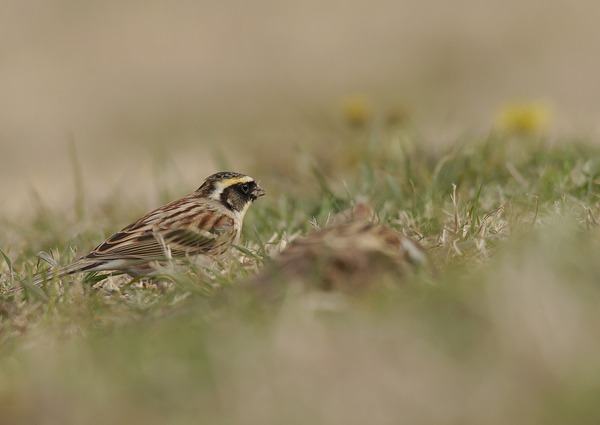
(504, 332)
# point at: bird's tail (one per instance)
(54, 272)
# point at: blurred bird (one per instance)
(345, 257)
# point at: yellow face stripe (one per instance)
(223, 184)
(235, 180)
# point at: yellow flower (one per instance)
(356, 109)
(530, 118)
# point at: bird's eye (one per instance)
(245, 188)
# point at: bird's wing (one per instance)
(151, 243)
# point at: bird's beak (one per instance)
(258, 192)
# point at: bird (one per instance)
(205, 223)
(346, 257)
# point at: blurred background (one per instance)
(130, 83)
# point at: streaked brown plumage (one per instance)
(348, 257)
(206, 222)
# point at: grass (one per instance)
(504, 332)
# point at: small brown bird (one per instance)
(205, 223)
(346, 257)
